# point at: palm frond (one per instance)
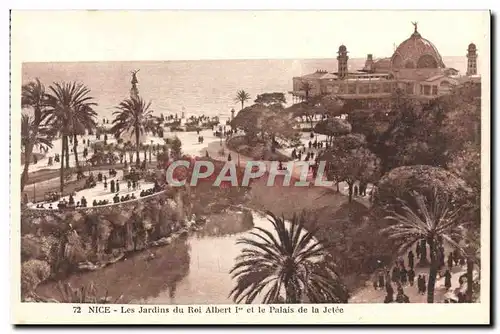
(422, 219)
(285, 263)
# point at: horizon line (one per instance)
(212, 59)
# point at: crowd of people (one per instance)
(403, 276)
(221, 132)
(114, 187)
(123, 198)
(66, 204)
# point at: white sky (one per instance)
(153, 35)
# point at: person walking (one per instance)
(450, 260)
(403, 274)
(411, 258)
(401, 297)
(388, 299)
(411, 276)
(447, 279)
(381, 282)
(395, 274)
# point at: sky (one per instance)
(157, 35)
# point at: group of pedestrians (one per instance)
(403, 276)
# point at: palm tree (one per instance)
(128, 147)
(293, 267)
(33, 96)
(432, 221)
(242, 97)
(84, 119)
(32, 135)
(153, 125)
(133, 115)
(471, 250)
(70, 109)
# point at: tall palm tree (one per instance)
(128, 147)
(84, 119)
(133, 115)
(33, 96)
(242, 97)
(471, 250)
(433, 220)
(32, 135)
(70, 109)
(293, 267)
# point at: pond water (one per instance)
(194, 270)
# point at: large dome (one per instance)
(416, 52)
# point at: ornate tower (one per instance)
(471, 60)
(134, 92)
(342, 62)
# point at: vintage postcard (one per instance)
(239, 167)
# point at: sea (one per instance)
(203, 87)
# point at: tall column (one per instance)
(134, 91)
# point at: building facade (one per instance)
(415, 67)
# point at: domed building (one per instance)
(416, 52)
(416, 66)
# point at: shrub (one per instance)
(85, 294)
(38, 248)
(176, 129)
(33, 272)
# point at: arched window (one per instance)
(410, 64)
(396, 61)
(427, 61)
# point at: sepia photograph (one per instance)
(355, 173)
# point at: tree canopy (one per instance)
(349, 160)
(259, 120)
(332, 127)
(271, 99)
(401, 182)
(242, 97)
(414, 132)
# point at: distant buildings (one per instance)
(415, 67)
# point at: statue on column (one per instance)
(415, 25)
(134, 92)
